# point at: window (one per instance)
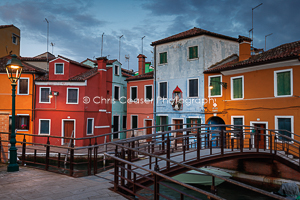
(23, 86)
(133, 93)
(193, 52)
(44, 126)
(14, 39)
(117, 93)
(216, 90)
(90, 126)
(134, 121)
(237, 87)
(237, 121)
(72, 96)
(283, 83)
(148, 92)
(116, 70)
(44, 95)
(193, 87)
(124, 122)
(163, 90)
(163, 58)
(192, 122)
(21, 122)
(59, 68)
(285, 123)
(161, 120)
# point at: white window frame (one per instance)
(40, 127)
(188, 51)
(209, 90)
(27, 86)
(159, 58)
(159, 89)
(55, 69)
(40, 95)
(118, 71)
(231, 87)
(118, 94)
(87, 123)
(12, 39)
(26, 115)
(68, 95)
(275, 82)
(132, 100)
(137, 121)
(145, 92)
(237, 116)
(292, 125)
(188, 87)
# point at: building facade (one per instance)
(9, 40)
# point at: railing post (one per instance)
(257, 139)
(23, 151)
(116, 171)
(188, 140)
(232, 144)
(34, 157)
(133, 146)
(47, 154)
(213, 188)
(168, 151)
(271, 143)
(176, 141)
(222, 141)
(72, 158)
(183, 148)
(163, 142)
(90, 159)
(134, 182)
(241, 141)
(129, 166)
(198, 144)
(299, 157)
(150, 162)
(210, 147)
(122, 168)
(156, 181)
(275, 145)
(95, 158)
(58, 160)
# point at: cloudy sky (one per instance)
(76, 26)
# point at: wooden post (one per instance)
(183, 150)
(271, 144)
(156, 181)
(23, 151)
(134, 183)
(222, 141)
(129, 166)
(116, 172)
(210, 147)
(47, 154)
(198, 144)
(168, 152)
(275, 145)
(34, 157)
(58, 160)
(257, 139)
(122, 169)
(232, 144)
(95, 158)
(163, 142)
(89, 161)
(213, 187)
(150, 162)
(188, 140)
(241, 140)
(72, 158)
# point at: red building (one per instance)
(81, 101)
(140, 99)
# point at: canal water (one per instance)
(225, 190)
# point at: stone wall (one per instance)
(4, 127)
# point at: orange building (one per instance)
(25, 96)
(9, 40)
(140, 100)
(260, 90)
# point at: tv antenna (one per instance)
(127, 57)
(52, 44)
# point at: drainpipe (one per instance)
(33, 106)
(154, 107)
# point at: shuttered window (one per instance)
(193, 88)
(284, 124)
(163, 58)
(134, 121)
(90, 124)
(117, 93)
(237, 86)
(133, 93)
(193, 52)
(148, 92)
(163, 89)
(44, 95)
(44, 126)
(72, 95)
(283, 83)
(215, 82)
(23, 86)
(237, 121)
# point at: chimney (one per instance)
(244, 48)
(101, 61)
(141, 58)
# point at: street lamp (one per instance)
(14, 69)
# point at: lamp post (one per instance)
(14, 69)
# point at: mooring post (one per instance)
(47, 154)
(23, 151)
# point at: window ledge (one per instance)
(191, 59)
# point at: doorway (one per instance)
(260, 138)
(215, 137)
(68, 131)
(148, 130)
(178, 125)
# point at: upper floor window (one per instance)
(116, 93)
(214, 83)
(117, 70)
(72, 95)
(237, 87)
(193, 52)
(163, 90)
(133, 93)
(90, 126)
(23, 86)
(193, 87)
(283, 83)
(44, 95)
(14, 39)
(163, 58)
(148, 92)
(59, 68)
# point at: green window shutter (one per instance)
(198, 124)
(284, 83)
(188, 121)
(237, 88)
(193, 52)
(285, 124)
(167, 122)
(215, 82)
(157, 123)
(163, 58)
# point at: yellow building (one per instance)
(9, 40)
